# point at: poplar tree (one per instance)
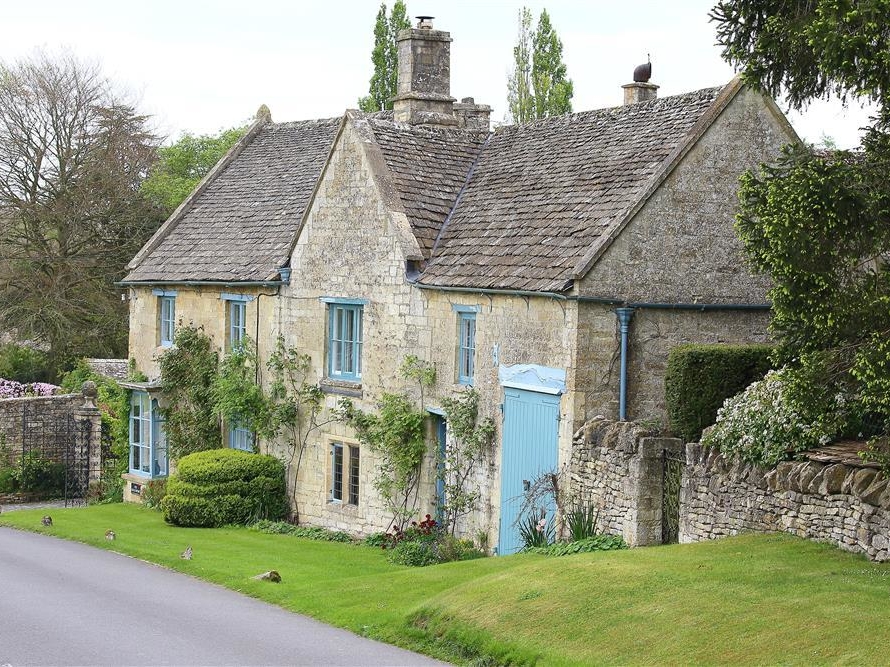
(537, 87)
(385, 58)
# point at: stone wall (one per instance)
(847, 505)
(51, 435)
(12, 416)
(617, 468)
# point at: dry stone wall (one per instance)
(617, 468)
(846, 505)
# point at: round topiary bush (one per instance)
(225, 486)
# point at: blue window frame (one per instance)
(237, 322)
(148, 441)
(466, 347)
(167, 319)
(241, 437)
(345, 341)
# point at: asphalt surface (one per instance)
(64, 603)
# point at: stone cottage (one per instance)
(551, 265)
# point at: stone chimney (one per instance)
(423, 94)
(640, 90)
(472, 116)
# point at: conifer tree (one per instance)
(385, 58)
(537, 86)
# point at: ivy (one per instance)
(188, 373)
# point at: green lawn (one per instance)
(763, 599)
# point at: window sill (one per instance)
(348, 388)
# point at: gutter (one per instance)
(624, 312)
(199, 283)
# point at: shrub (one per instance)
(225, 486)
(761, 425)
(700, 377)
(40, 475)
(24, 364)
(8, 481)
(416, 553)
(595, 543)
(153, 493)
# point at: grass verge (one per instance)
(758, 599)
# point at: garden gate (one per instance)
(60, 444)
(671, 479)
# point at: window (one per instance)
(344, 474)
(353, 475)
(237, 322)
(466, 347)
(148, 441)
(240, 437)
(345, 341)
(166, 316)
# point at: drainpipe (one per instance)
(624, 316)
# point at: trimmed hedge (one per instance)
(225, 486)
(700, 378)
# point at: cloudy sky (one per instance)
(202, 66)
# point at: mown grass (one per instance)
(759, 599)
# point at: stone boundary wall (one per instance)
(617, 468)
(846, 505)
(11, 415)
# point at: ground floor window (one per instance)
(344, 475)
(148, 441)
(240, 437)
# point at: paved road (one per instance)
(63, 603)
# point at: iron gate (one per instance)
(672, 474)
(57, 447)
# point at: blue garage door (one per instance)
(529, 449)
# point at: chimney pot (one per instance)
(425, 22)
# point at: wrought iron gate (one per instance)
(672, 473)
(62, 445)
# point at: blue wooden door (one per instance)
(529, 449)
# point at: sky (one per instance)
(200, 67)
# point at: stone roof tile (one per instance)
(240, 228)
(543, 193)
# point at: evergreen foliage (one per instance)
(385, 58)
(24, 364)
(537, 87)
(699, 378)
(817, 221)
(225, 486)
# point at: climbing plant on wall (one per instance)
(396, 434)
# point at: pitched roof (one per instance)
(428, 167)
(240, 226)
(543, 194)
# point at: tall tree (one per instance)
(183, 164)
(72, 158)
(818, 222)
(537, 87)
(520, 95)
(385, 58)
(553, 91)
